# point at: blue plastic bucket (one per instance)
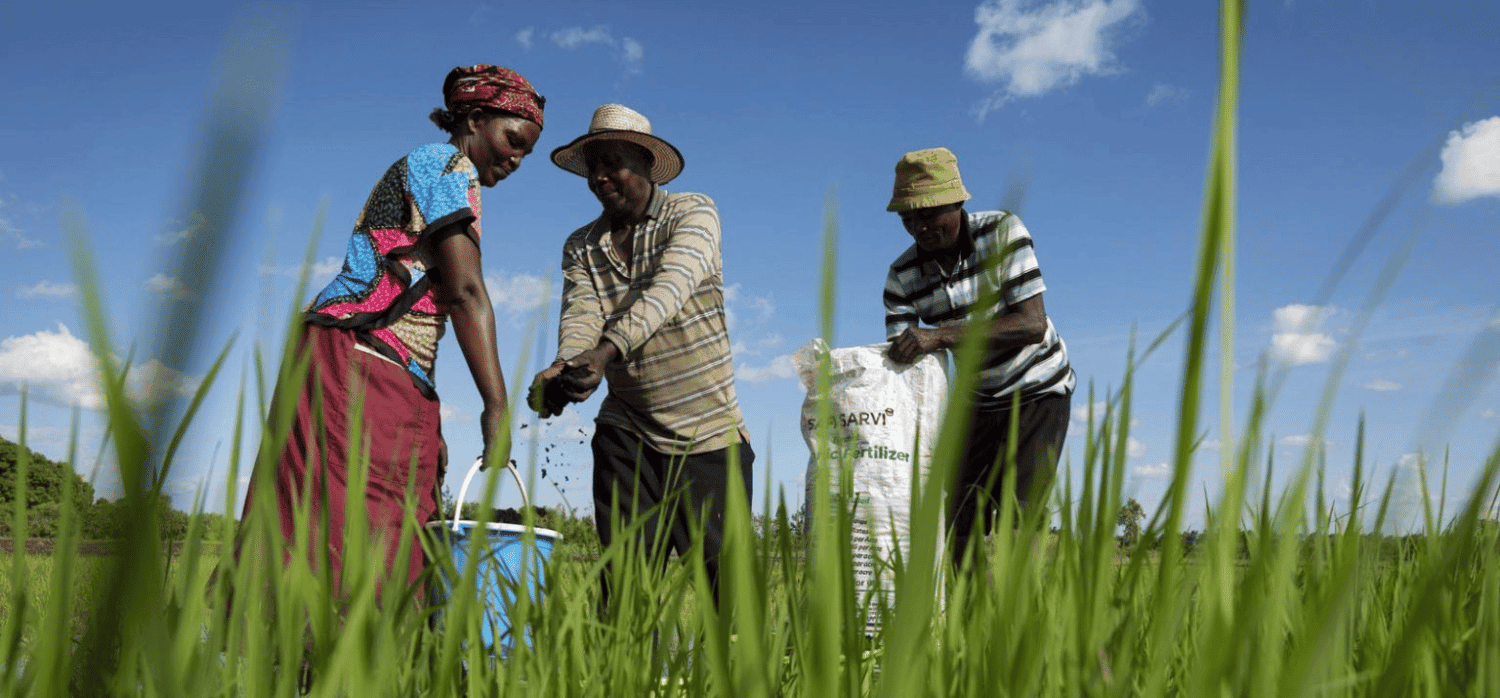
(502, 562)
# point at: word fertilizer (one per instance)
(883, 426)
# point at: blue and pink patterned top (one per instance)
(384, 292)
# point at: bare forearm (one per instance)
(1015, 330)
(1007, 331)
(474, 328)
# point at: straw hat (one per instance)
(621, 123)
(927, 178)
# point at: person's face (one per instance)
(935, 228)
(498, 143)
(617, 175)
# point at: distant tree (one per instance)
(97, 520)
(42, 520)
(174, 524)
(105, 520)
(1131, 514)
(44, 481)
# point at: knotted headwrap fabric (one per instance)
(493, 86)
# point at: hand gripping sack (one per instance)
(884, 424)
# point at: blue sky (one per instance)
(1101, 110)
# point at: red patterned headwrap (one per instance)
(492, 86)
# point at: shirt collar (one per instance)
(657, 202)
(654, 206)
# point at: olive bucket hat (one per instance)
(927, 178)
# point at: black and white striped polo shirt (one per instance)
(918, 288)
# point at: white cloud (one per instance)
(45, 356)
(1034, 48)
(1163, 93)
(573, 37)
(481, 15)
(763, 306)
(1471, 163)
(1152, 471)
(47, 289)
(518, 293)
(1382, 385)
(328, 268)
(763, 345)
(52, 441)
(60, 368)
(1134, 447)
(779, 367)
(193, 227)
(1210, 444)
(1410, 462)
(769, 342)
(168, 286)
(1302, 440)
(8, 226)
(322, 271)
(448, 412)
(1406, 493)
(1297, 337)
(1081, 413)
(632, 55)
(1387, 354)
(524, 36)
(628, 52)
(1490, 413)
(745, 314)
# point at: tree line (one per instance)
(99, 519)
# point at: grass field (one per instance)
(1312, 606)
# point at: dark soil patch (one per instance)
(517, 516)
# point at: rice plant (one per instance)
(1284, 601)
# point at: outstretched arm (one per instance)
(461, 289)
(578, 330)
(690, 257)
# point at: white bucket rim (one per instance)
(454, 524)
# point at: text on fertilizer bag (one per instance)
(868, 452)
(857, 419)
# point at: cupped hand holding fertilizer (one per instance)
(546, 398)
(569, 380)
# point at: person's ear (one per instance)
(473, 120)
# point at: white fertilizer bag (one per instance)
(880, 411)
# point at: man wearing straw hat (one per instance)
(1025, 375)
(643, 306)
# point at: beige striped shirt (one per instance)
(674, 381)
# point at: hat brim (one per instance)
(911, 201)
(666, 159)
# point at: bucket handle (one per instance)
(474, 469)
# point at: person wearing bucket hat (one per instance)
(643, 307)
(372, 333)
(1025, 376)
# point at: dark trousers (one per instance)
(1041, 427)
(663, 490)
